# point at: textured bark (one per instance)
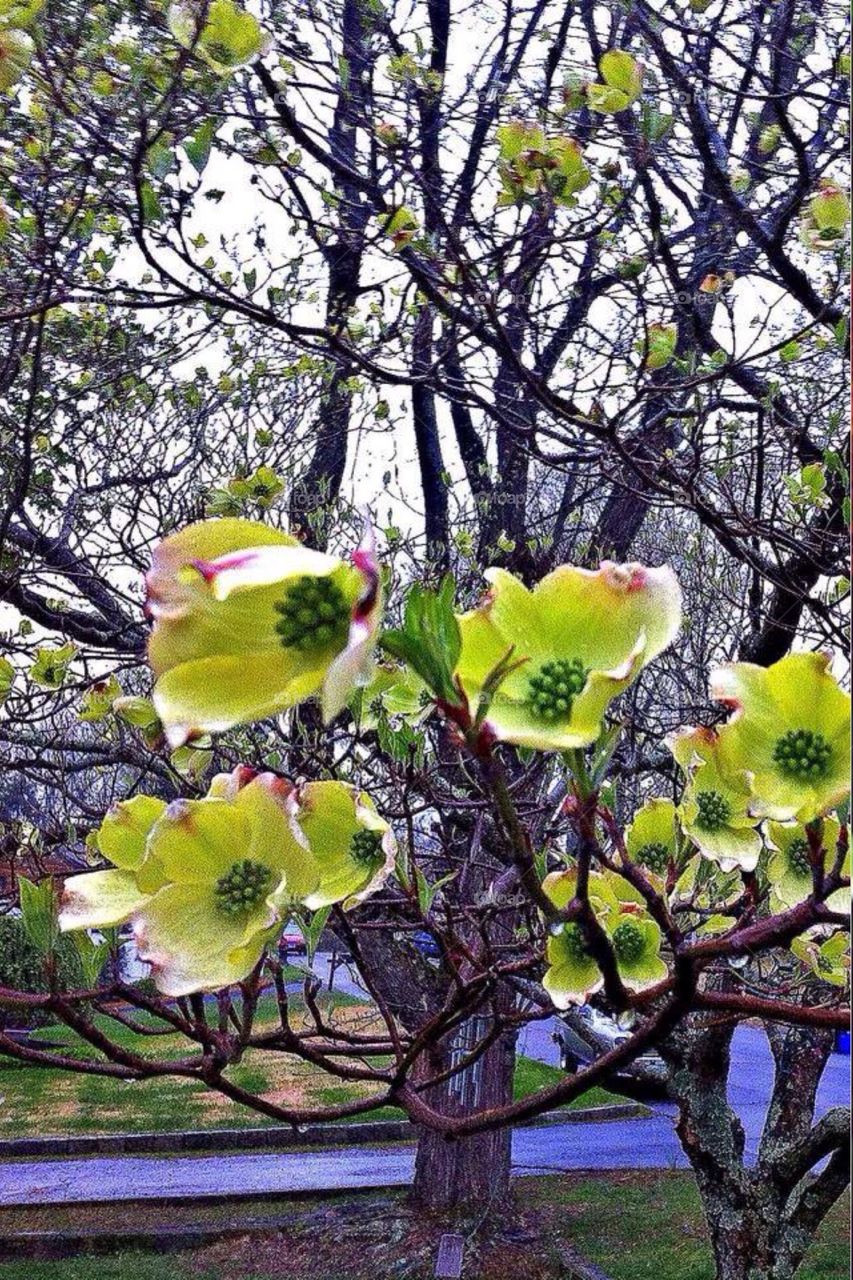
(430, 462)
(761, 1220)
(471, 1171)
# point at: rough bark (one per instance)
(761, 1220)
(472, 1170)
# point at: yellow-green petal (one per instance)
(191, 946)
(123, 834)
(210, 695)
(653, 834)
(571, 978)
(197, 841)
(331, 814)
(275, 838)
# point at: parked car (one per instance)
(291, 943)
(586, 1033)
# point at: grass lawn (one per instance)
(36, 1101)
(633, 1225)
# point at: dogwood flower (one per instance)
(248, 622)
(572, 975)
(715, 808)
(828, 958)
(222, 33)
(652, 837)
(636, 941)
(790, 730)
(207, 884)
(353, 846)
(789, 867)
(576, 640)
(213, 879)
(233, 864)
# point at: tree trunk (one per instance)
(469, 1171)
(761, 1220)
(748, 1244)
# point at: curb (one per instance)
(277, 1137)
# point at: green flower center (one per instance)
(798, 857)
(314, 613)
(366, 846)
(628, 941)
(824, 965)
(714, 810)
(242, 888)
(803, 754)
(574, 942)
(554, 688)
(655, 856)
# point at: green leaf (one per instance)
(603, 753)
(429, 641)
(39, 914)
(313, 931)
(160, 158)
(149, 204)
(92, 956)
(198, 146)
(7, 675)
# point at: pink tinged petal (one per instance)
(169, 594)
(99, 899)
(224, 786)
(658, 586)
(365, 556)
(263, 567)
(353, 667)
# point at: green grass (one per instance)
(650, 1224)
(633, 1225)
(531, 1075)
(46, 1101)
(43, 1101)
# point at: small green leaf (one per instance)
(198, 146)
(7, 675)
(429, 641)
(150, 205)
(92, 956)
(313, 931)
(39, 913)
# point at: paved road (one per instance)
(750, 1076)
(609, 1145)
